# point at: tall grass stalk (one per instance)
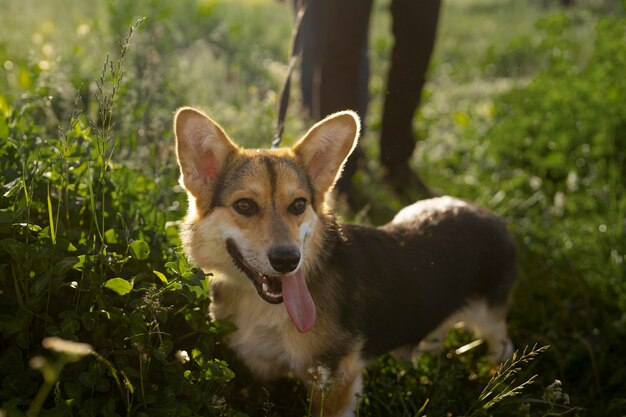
(503, 384)
(67, 140)
(113, 74)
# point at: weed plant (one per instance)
(100, 314)
(88, 255)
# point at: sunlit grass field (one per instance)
(524, 112)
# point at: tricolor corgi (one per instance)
(306, 292)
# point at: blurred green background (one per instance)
(524, 112)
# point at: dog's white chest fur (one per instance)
(265, 338)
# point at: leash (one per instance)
(284, 95)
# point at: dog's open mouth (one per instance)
(290, 289)
(269, 288)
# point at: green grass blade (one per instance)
(53, 234)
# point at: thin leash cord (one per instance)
(284, 95)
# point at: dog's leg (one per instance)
(498, 341)
(433, 343)
(340, 398)
(489, 322)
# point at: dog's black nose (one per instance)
(284, 258)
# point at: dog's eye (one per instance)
(298, 206)
(246, 207)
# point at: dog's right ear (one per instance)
(202, 149)
(326, 147)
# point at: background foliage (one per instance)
(524, 113)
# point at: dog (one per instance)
(307, 293)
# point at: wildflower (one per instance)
(68, 347)
(219, 403)
(554, 394)
(182, 356)
(320, 376)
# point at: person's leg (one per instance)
(311, 42)
(335, 67)
(414, 30)
(343, 65)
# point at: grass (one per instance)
(524, 113)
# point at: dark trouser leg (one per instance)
(311, 41)
(414, 30)
(335, 66)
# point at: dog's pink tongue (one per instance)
(298, 301)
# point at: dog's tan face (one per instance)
(253, 214)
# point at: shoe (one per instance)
(406, 183)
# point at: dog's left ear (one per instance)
(326, 147)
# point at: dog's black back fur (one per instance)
(433, 266)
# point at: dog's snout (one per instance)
(284, 258)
